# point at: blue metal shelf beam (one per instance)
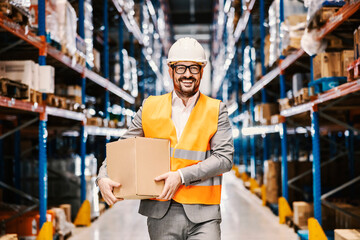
(283, 133)
(315, 133)
(43, 180)
(83, 95)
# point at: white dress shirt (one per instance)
(180, 115)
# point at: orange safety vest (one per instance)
(193, 145)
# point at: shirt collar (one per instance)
(191, 102)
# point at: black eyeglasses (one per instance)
(181, 69)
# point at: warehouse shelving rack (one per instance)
(336, 93)
(43, 111)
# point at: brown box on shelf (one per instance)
(302, 96)
(347, 234)
(134, 163)
(67, 210)
(285, 103)
(267, 50)
(94, 121)
(326, 13)
(334, 42)
(276, 119)
(343, 220)
(9, 237)
(272, 174)
(328, 65)
(97, 58)
(267, 110)
(302, 211)
(347, 57)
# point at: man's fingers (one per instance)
(115, 184)
(161, 177)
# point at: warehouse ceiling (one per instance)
(192, 17)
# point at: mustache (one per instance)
(185, 78)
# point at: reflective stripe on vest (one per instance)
(191, 148)
(190, 155)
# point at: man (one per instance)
(201, 150)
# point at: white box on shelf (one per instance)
(47, 79)
(21, 71)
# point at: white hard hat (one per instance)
(187, 49)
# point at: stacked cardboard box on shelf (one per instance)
(271, 181)
(347, 234)
(264, 111)
(38, 78)
(302, 211)
(328, 65)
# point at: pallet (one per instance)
(13, 89)
(56, 101)
(35, 97)
(302, 96)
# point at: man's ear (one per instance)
(171, 72)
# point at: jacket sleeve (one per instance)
(221, 158)
(135, 130)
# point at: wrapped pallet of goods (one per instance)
(292, 29)
(89, 28)
(293, 8)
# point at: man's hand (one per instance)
(172, 183)
(106, 186)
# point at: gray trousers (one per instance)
(176, 226)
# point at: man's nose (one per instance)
(187, 73)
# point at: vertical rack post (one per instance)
(142, 57)
(83, 94)
(316, 168)
(237, 141)
(121, 60)
(43, 179)
(283, 132)
(17, 170)
(350, 146)
(106, 55)
(263, 72)
(252, 137)
(245, 139)
(131, 54)
(316, 162)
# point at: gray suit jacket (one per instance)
(220, 161)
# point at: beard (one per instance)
(186, 92)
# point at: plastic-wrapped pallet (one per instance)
(293, 29)
(67, 20)
(314, 5)
(292, 7)
(89, 28)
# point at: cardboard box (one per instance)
(134, 163)
(302, 211)
(347, 234)
(46, 79)
(9, 237)
(26, 72)
(347, 57)
(327, 64)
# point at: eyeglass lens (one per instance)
(181, 69)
